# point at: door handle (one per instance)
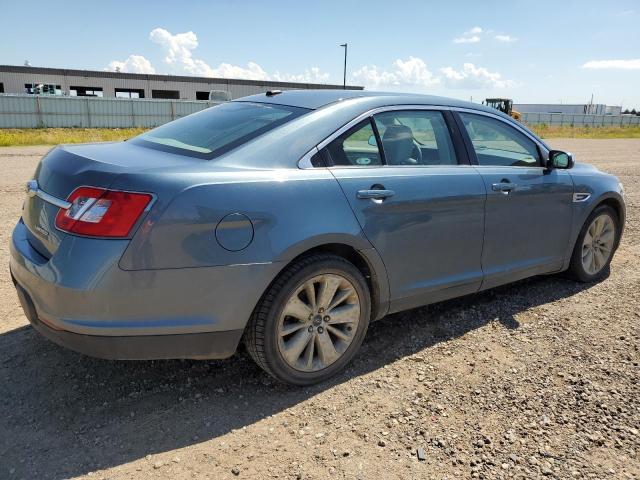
(375, 194)
(503, 186)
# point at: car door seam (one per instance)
(364, 233)
(484, 226)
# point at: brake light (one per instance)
(97, 212)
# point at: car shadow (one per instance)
(65, 414)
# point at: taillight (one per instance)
(97, 212)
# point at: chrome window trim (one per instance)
(538, 167)
(305, 162)
(372, 112)
(386, 167)
(360, 118)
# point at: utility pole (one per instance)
(344, 78)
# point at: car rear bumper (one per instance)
(80, 299)
(142, 347)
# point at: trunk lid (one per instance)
(68, 167)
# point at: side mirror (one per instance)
(560, 159)
(372, 141)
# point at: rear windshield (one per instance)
(217, 130)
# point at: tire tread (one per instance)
(576, 270)
(254, 337)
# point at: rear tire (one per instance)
(311, 321)
(595, 246)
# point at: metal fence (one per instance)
(39, 111)
(580, 120)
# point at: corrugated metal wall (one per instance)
(564, 119)
(14, 79)
(35, 111)
(571, 109)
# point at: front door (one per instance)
(421, 209)
(529, 209)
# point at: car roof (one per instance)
(315, 99)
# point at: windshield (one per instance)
(217, 130)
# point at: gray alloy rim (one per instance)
(318, 322)
(598, 244)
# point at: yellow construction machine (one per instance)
(505, 105)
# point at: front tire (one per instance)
(595, 246)
(311, 321)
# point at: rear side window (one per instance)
(415, 137)
(499, 144)
(217, 130)
(357, 147)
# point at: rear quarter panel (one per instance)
(291, 210)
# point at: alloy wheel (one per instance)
(318, 322)
(597, 245)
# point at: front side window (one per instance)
(357, 147)
(415, 137)
(216, 130)
(499, 144)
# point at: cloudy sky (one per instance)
(544, 51)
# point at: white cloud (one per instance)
(633, 64)
(252, 71)
(177, 47)
(133, 64)
(473, 39)
(505, 38)
(470, 36)
(410, 72)
(472, 77)
(413, 72)
(312, 75)
(476, 34)
(178, 54)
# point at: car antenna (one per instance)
(271, 93)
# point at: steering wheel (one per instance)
(418, 154)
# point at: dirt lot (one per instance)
(537, 379)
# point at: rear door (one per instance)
(529, 207)
(417, 199)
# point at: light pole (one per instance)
(344, 78)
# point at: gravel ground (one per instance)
(533, 380)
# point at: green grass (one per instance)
(546, 131)
(12, 137)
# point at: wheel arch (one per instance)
(611, 199)
(614, 201)
(360, 253)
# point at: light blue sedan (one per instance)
(290, 220)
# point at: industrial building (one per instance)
(89, 83)
(568, 109)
